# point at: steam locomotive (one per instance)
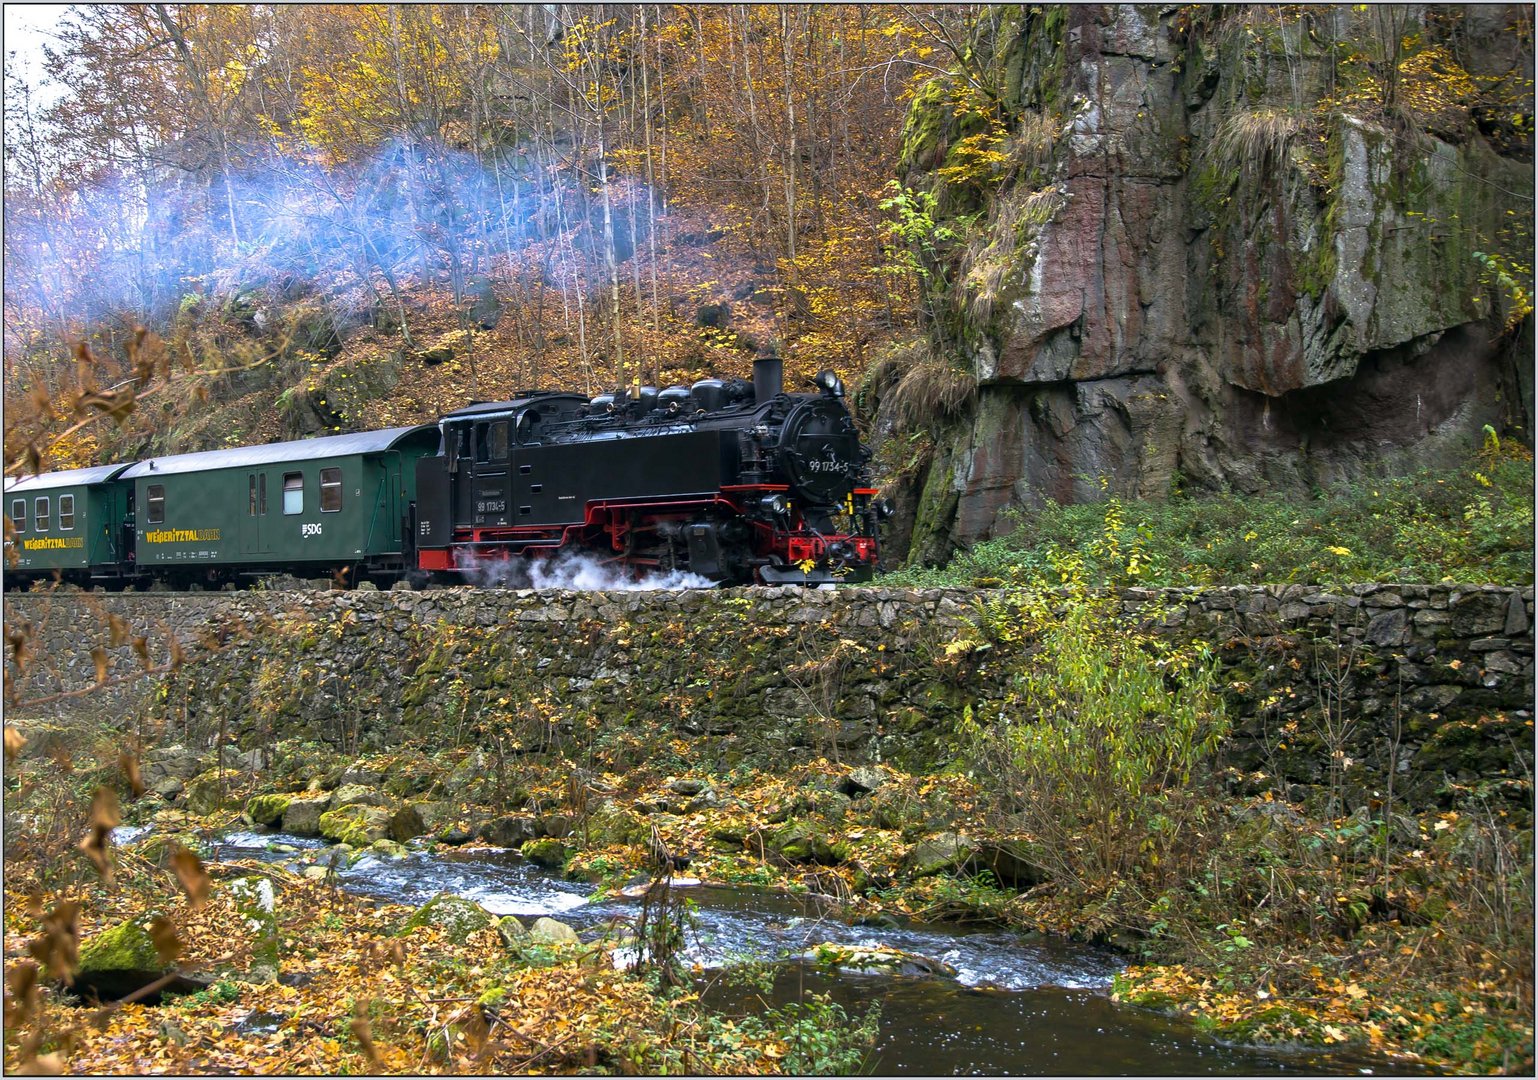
(735, 481)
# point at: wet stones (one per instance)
(456, 916)
(940, 854)
(302, 814)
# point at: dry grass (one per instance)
(1255, 140)
(931, 388)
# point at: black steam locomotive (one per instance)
(731, 480)
(737, 482)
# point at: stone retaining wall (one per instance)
(1433, 682)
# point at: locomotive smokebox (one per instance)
(768, 376)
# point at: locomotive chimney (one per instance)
(768, 374)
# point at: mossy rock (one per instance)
(208, 792)
(457, 917)
(159, 847)
(514, 934)
(357, 794)
(879, 960)
(940, 854)
(616, 825)
(547, 852)
(548, 931)
(303, 812)
(118, 961)
(267, 810)
(357, 824)
(805, 843)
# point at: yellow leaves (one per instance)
(57, 948)
(15, 742)
(97, 841)
(1335, 549)
(191, 876)
(168, 944)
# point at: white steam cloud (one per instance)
(578, 571)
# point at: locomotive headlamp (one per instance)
(775, 504)
(883, 508)
(829, 383)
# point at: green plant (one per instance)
(1473, 523)
(818, 1037)
(1105, 725)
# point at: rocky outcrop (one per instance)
(1217, 251)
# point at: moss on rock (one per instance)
(457, 917)
(547, 852)
(357, 824)
(267, 809)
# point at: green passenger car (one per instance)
(308, 507)
(67, 524)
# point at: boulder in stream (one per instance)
(357, 794)
(862, 781)
(547, 852)
(514, 933)
(456, 916)
(267, 810)
(939, 854)
(1012, 864)
(356, 824)
(804, 842)
(879, 960)
(256, 899)
(302, 814)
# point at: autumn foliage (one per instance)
(442, 202)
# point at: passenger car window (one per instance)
(19, 514)
(66, 511)
(40, 512)
(251, 493)
(330, 490)
(157, 503)
(293, 493)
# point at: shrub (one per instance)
(1104, 728)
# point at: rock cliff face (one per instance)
(1222, 254)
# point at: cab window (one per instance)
(40, 510)
(66, 511)
(496, 439)
(155, 503)
(330, 490)
(293, 493)
(19, 514)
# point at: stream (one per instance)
(1015, 1005)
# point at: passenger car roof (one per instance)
(364, 442)
(96, 474)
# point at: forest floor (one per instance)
(1413, 950)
